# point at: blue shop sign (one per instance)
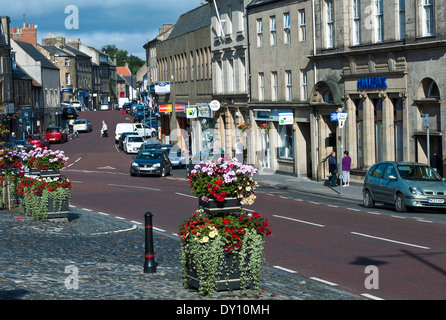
(377, 82)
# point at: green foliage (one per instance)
(135, 63)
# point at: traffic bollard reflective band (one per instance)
(149, 263)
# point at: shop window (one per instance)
(378, 108)
(398, 118)
(359, 126)
(286, 145)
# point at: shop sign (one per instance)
(286, 119)
(204, 111)
(376, 82)
(215, 105)
(180, 107)
(165, 108)
(269, 115)
(191, 113)
(162, 87)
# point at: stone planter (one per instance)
(214, 207)
(55, 212)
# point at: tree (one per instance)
(122, 56)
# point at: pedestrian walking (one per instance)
(104, 130)
(239, 151)
(75, 134)
(333, 168)
(346, 163)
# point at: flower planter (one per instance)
(230, 275)
(55, 210)
(34, 171)
(213, 207)
(49, 173)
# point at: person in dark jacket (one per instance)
(333, 167)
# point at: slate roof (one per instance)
(77, 52)
(192, 20)
(20, 74)
(258, 3)
(36, 55)
(58, 52)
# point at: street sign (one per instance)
(215, 105)
(333, 116)
(426, 120)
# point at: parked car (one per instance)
(38, 140)
(77, 105)
(69, 112)
(104, 107)
(406, 185)
(127, 108)
(24, 145)
(151, 145)
(142, 130)
(121, 102)
(132, 144)
(122, 138)
(82, 125)
(151, 162)
(176, 156)
(56, 134)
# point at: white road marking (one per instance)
(285, 269)
(185, 195)
(158, 229)
(124, 186)
(301, 221)
(89, 210)
(118, 231)
(389, 240)
(324, 281)
(136, 222)
(103, 214)
(371, 296)
(120, 218)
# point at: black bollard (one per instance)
(149, 264)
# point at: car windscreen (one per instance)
(135, 139)
(80, 122)
(152, 155)
(418, 172)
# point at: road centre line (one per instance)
(284, 269)
(366, 295)
(301, 221)
(124, 186)
(185, 195)
(324, 281)
(389, 240)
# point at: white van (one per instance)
(121, 102)
(141, 129)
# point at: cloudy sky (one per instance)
(128, 24)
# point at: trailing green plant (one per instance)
(37, 193)
(207, 242)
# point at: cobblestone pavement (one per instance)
(37, 258)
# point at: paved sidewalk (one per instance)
(38, 258)
(285, 181)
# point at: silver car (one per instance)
(406, 185)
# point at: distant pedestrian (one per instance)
(346, 163)
(333, 168)
(104, 130)
(75, 134)
(239, 151)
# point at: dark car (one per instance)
(143, 115)
(56, 134)
(151, 162)
(122, 138)
(127, 108)
(24, 145)
(151, 145)
(38, 140)
(69, 113)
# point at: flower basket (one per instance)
(244, 126)
(223, 252)
(44, 159)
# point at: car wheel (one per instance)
(163, 172)
(367, 199)
(399, 203)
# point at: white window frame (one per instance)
(289, 85)
(274, 86)
(67, 79)
(286, 28)
(379, 21)
(304, 85)
(261, 86)
(242, 16)
(229, 20)
(402, 19)
(428, 16)
(356, 22)
(243, 75)
(273, 31)
(329, 23)
(259, 33)
(302, 26)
